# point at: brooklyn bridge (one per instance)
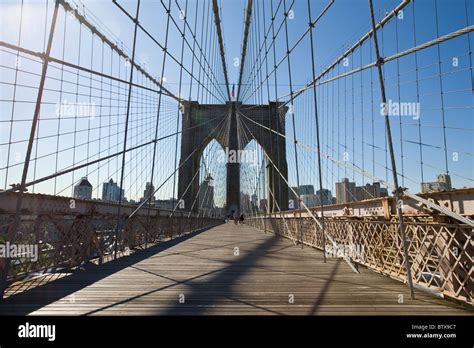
(236, 157)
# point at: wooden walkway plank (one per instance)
(227, 270)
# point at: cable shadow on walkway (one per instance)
(33, 299)
(222, 284)
(325, 288)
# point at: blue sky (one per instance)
(346, 116)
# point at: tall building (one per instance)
(254, 200)
(111, 192)
(263, 204)
(206, 194)
(442, 183)
(370, 191)
(327, 197)
(310, 200)
(83, 189)
(245, 203)
(306, 190)
(345, 191)
(149, 190)
(314, 199)
(445, 179)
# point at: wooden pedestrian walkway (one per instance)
(226, 270)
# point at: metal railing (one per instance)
(440, 254)
(68, 233)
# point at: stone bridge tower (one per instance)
(203, 123)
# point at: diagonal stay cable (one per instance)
(334, 244)
(244, 132)
(146, 199)
(193, 178)
(69, 170)
(244, 44)
(375, 178)
(217, 20)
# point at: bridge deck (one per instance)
(213, 280)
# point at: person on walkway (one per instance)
(241, 218)
(236, 218)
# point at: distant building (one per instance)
(206, 194)
(314, 200)
(310, 200)
(370, 191)
(306, 190)
(149, 190)
(254, 200)
(263, 205)
(245, 203)
(434, 186)
(327, 196)
(361, 193)
(302, 190)
(111, 192)
(248, 203)
(83, 189)
(442, 183)
(345, 191)
(446, 179)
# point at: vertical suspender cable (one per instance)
(155, 145)
(318, 143)
(295, 141)
(397, 191)
(441, 85)
(34, 123)
(185, 14)
(17, 61)
(117, 227)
